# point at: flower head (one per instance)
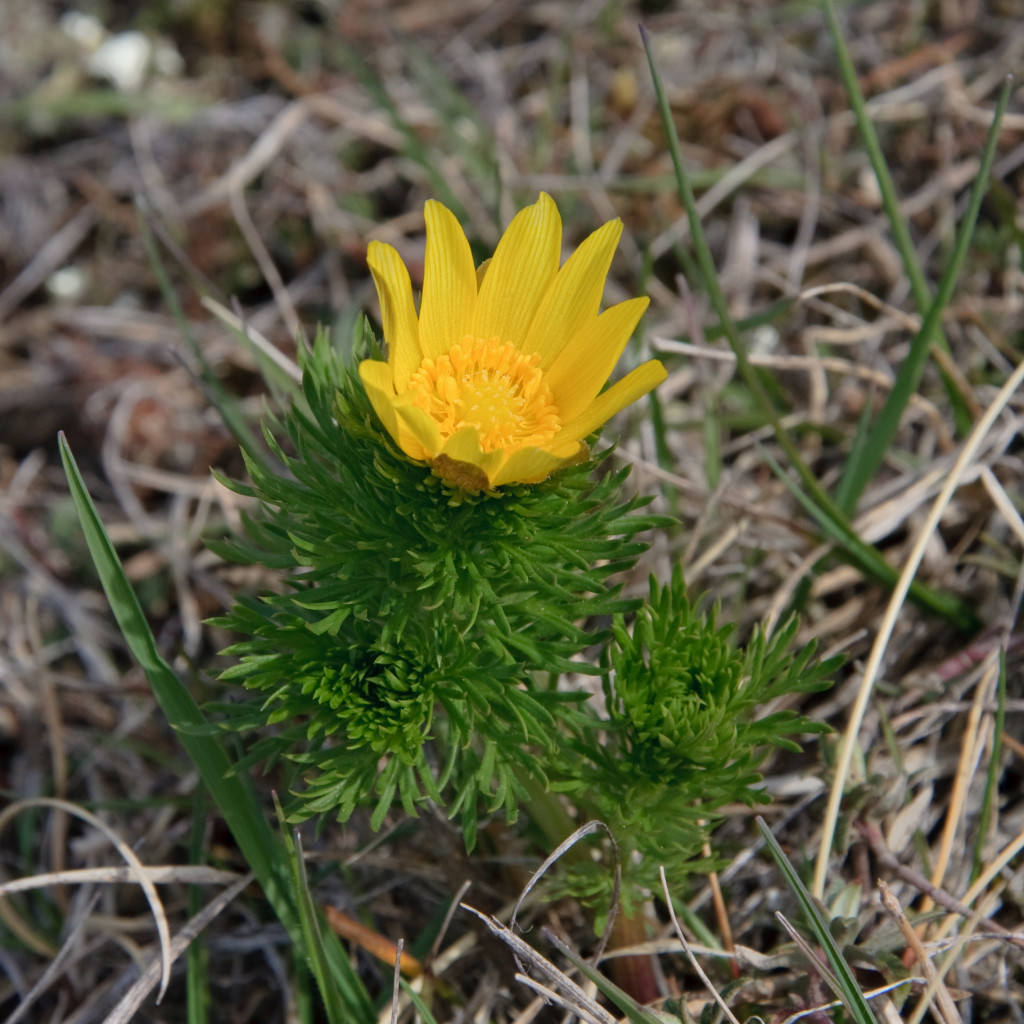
(497, 379)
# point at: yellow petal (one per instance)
(481, 272)
(531, 465)
(463, 474)
(519, 273)
(449, 283)
(617, 397)
(380, 389)
(575, 296)
(397, 310)
(464, 446)
(420, 425)
(581, 369)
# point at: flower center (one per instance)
(490, 386)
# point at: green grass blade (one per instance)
(232, 793)
(869, 561)
(344, 995)
(350, 986)
(466, 134)
(849, 991)
(814, 497)
(866, 127)
(663, 453)
(709, 278)
(263, 851)
(995, 767)
(712, 430)
(414, 148)
(890, 203)
(311, 927)
(859, 471)
(417, 1000)
(197, 987)
(856, 457)
(622, 1000)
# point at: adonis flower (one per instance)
(497, 379)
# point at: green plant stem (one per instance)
(547, 812)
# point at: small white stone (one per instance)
(869, 189)
(765, 340)
(124, 60)
(67, 284)
(84, 29)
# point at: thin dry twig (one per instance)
(134, 998)
(885, 857)
(947, 1008)
(17, 925)
(251, 335)
(526, 954)
(567, 844)
(49, 258)
(260, 155)
(976, 738)
(694, 962)
(266, 264)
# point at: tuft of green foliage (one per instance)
(412, 650)
(685, 735)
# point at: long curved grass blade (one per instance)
(343, 1001)
(231, 790)
(869, 561)
(232, 793)
(890, 201)
(814, 495)
(859, 470)
(849, 991)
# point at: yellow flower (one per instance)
(498, 378)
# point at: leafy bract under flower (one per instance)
(497, 378)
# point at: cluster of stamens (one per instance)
(491, 386)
